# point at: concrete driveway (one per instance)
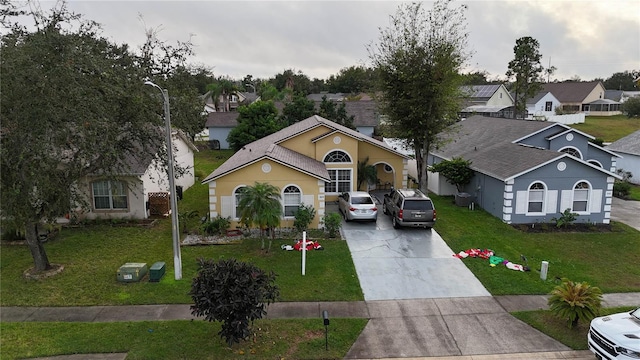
(626, 211)
(424, 302)
(407, 263)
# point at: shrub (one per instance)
(232, 292)
(304, 216)
(621, 189)
(575, 301)
(456, 171)
(217, 226)
(566, 218)
(332, 222)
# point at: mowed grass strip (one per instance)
(193, 340)
(600, 258)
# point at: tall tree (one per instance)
(255, 121)
(298, 109)
(352, 80)
(73, 104)
(336, 113)
(622, 81)
(526, 69)
(418, 59)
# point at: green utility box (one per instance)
(132, 272)
(156, 272)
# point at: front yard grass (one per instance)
(608, 128)
(601, 259)
(193, 340)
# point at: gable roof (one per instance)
(268, 148)
(485, 141)
(570, 91)
(480, 91)
(629, 144)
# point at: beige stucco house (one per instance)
(311, 162)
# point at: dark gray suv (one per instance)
(409, 207)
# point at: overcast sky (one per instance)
(585, 38)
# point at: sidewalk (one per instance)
(457, 313)
(280, 310)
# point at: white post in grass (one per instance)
(304, 252)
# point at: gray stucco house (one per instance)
(530, 171)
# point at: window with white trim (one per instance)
(340, 181)
(581, 197)
(548, 105)
(536, 198)
(292, 198)
(237, 197)
(109, 195)
(337, 156)
(572, 151)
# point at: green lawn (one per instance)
(92, 254)
(608, 128)
(189, 340)
(592, 257)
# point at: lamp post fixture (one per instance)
(175, 229)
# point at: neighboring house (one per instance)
(530, 171)
(586, 97)
(311, 162)
(365, 113)
(629, 148)
(127, 195)
(620, 95)
(542, 106)
(487, 100)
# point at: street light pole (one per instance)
(175, 229)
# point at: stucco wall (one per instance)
(220, 134)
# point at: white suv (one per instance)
(616, 336)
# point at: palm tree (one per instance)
(366, 172)
(260, 206)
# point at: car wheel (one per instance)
(395, 222)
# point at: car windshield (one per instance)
(418, 205)
(361, 200)
(636, 313)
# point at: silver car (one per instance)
(357, 205)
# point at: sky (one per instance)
(582, 38)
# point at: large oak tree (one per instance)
(419, 58)
(73, 104)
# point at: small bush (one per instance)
(566, 218)
(621, 189)
(232, 292)
(304, 216)
(575, 302)
(332, 223)
(216, 226)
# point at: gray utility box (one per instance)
(132, 272)
(156, 271)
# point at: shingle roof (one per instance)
(571, 91)
(488, 144)
(269, 148)
(629, 144)
(222, 119)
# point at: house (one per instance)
(542, 106)
(311, 162)
(530, 171)
(487, 100)
(365, 113)
(629, 148)
(581, 96)
(131, 195)
(620, 95)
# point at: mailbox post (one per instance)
(325, 318)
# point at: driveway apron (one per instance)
(424, 302)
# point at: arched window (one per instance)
(595, 163)
(237, 197)
(292, 198)
(337, 156)
(536, 198)
(581, 196)
(109, 195)
(572, 151)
